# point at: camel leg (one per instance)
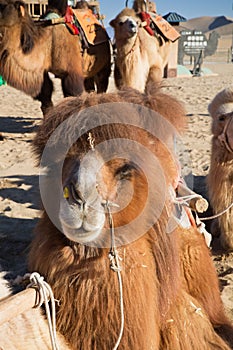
(89, 84)
(155, 74)
(101, 80)
(72, 84)
(45, 95)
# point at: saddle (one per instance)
(155, 24)
(93, 30)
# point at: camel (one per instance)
(140, 57)
(29, 51)
(112, 157)
(96, 54)
(220, 178)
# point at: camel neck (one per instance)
(127, 47)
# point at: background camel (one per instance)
(28, 52)
(220, 179)
(141, 5)
(169, 310)
(140, 57)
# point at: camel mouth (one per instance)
(133, 30)
(79, 224)
(80, 235)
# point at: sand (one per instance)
(19, 194)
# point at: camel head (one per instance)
(125, 24)
(90, 185)
(144, 5)
(108, 159)
(11, 12)
(221, 110)
(14, 17)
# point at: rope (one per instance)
(185, 199)
(115, 266)
(44, 295)
(219, 214)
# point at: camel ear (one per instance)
(20, 7)
(112, 23)
(22, 10)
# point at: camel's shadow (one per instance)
(18, 125)
(18, 217)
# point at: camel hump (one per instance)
(94, 32)
(164, 27)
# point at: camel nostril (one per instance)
(76, 194)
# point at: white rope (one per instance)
(44, 295)
(219, 214)
(115, 266)
(185, 199)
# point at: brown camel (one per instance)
(140, 57)
(28, 51)
(220, 178)
(116, 179)
(96, 53)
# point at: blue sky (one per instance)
(188, 9)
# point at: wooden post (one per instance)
(170, 70)
(198, 203)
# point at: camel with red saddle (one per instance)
(143, 43)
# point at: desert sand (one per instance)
(19, 190)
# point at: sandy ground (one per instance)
(19, 194)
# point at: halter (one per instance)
(132, 48)
(223, 136)
(115, 266)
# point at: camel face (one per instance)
(92, 183)
(126, 26)
(82, 215)
(222, 128)
(9, 13)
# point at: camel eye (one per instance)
(125, 172)
(121, 23)
(222, 118)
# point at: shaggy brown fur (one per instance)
(166, 293)
(140, 57)
(28, 52)
(220, 178)
(220, 182)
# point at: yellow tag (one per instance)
(66, 193)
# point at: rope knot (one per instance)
(43, 296)
(114, 261)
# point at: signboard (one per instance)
(192, 42)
